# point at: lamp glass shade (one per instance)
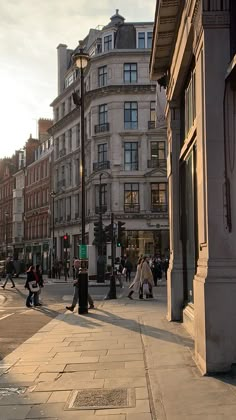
(81, 60)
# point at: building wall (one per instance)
(202, 242)
(114, 94)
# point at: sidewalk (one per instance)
(123, 361)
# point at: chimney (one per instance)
(61, 66)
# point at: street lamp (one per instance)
(6, 238)
(81, 60)
(53, 195)
(100, 261)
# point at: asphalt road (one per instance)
(18, 323)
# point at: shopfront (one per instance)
(146, 242)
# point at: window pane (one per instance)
(141, 40)
(149, 40)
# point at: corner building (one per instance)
(194, 55)
(125, 144)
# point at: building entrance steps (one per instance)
(122, 361)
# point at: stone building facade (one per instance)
(31, 200)
(193, 55)
(125, 147)
(7, 183)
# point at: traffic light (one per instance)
(97, 233)
(66, 241)
(120, 233)
(109, 233)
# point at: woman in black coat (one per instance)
(30, 282)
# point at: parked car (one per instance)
(2, 268)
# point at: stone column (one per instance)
(214, 283)
(175, 273)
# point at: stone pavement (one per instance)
(122, 361)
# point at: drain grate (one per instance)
(101, 399)
(5, 392)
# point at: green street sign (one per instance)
(83, 252)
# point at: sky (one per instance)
(30, 32)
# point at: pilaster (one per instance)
(175, 273)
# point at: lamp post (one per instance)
(6, 237)
(100, 261)
(53, 195)
(81, 60)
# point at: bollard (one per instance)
(112, 292)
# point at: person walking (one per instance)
(40, 282)
(128, 267)
(32, 286)
(146, 279)
(10, 269)
(135, 285)
(156, 270)
(76, 291)
(119, 269)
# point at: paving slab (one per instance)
(124, 344)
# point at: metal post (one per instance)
(82, 151)
(6, 239)
(112, 244)
(83, 276)
(100, 261)
(112, 292)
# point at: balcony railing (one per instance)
(159, 208)
(151, 125)
(132, 208)
(97, 166)
(156, 163)
(104, 209)
(101, 128)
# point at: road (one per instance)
(18, 323)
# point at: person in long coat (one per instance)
(135, 285)
(146, 277)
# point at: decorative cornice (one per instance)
(101, 93)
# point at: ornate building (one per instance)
(125, 145)
(193, 56)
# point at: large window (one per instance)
(102, 76)
(153, 111)
(107, 43)
(131, 156)
(102, 153)
(144, 40)
(102, 114)
(159, 197)
(141, 40)
(157, 150)
(131, 199)
(69, 140)
(190, 104)
(130, 73)
(103, 198)
(149, 40)
(131, 115)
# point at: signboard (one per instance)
(83, 252)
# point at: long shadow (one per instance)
(133, 325)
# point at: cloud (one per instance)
(30, 33)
